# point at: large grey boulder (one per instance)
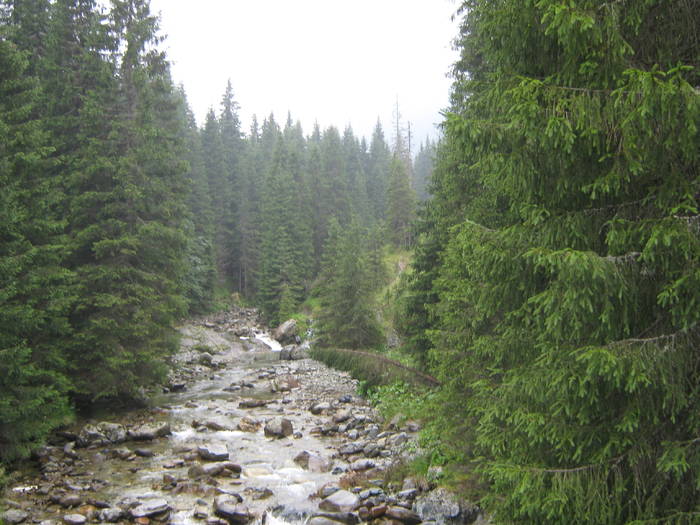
(14, 516)
(279, 428)
(229, 508)
(102, 434)
(286, 332)
(213, 452)
(312, 462)
(340, 501)
(444, 508)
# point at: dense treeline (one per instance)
(120, 215)
(555, 289)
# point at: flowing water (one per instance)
(207, 412)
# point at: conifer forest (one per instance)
(552, 233)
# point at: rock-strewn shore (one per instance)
(237, 435)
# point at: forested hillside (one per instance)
(555, 285)
(120, 215)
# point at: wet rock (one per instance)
(252, 403)
(403, 515)
(322, 520)
(226, 469)
(286, 332)
(350, 449)
(230, 509)
(341, 416)
(70, 500)
(279, 428)
(378, 511)
(200, 513)
(444, 508)
(213, 452)
(74, 519)
(320, 408)
(312, 462)
(122, 453)
(14, 516)
(348, 518)
(150, 432)
(362, 465)
(69, 450)
(408, 494)
(247, 424)
(144, 453)
(150, 508)
(340, 501)
(259, 493)
(111, 515)
(102, 434)
(328, 490)
(371, 450)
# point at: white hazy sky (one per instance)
(338, 62)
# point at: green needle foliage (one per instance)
(564, 324)
(33, 298)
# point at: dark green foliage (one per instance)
(199, 281)
(564, 325)
(128, 220)
(400, 204)
(33, 294)
(423, 169)
(346, 291)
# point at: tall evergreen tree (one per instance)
(200, 279)
(34, 289)
(566, 325)
(127, 220)
(229, 233)
(401, 204)
(346, 290)
(378, 174)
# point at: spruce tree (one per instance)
(346, 290)
(401, 204)
(566, 326)
(34, 289)
(229, 234)
(127, 219)
(378, 172)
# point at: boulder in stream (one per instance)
(102, 434)
(312, 462)
(286, 332)
(231, 510)
(340, 501)
(247, 424)
(150, 508)
(213, 452)
(279, 428)
(150, 432)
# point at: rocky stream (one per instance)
(246, 431)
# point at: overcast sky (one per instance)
(338, 62)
